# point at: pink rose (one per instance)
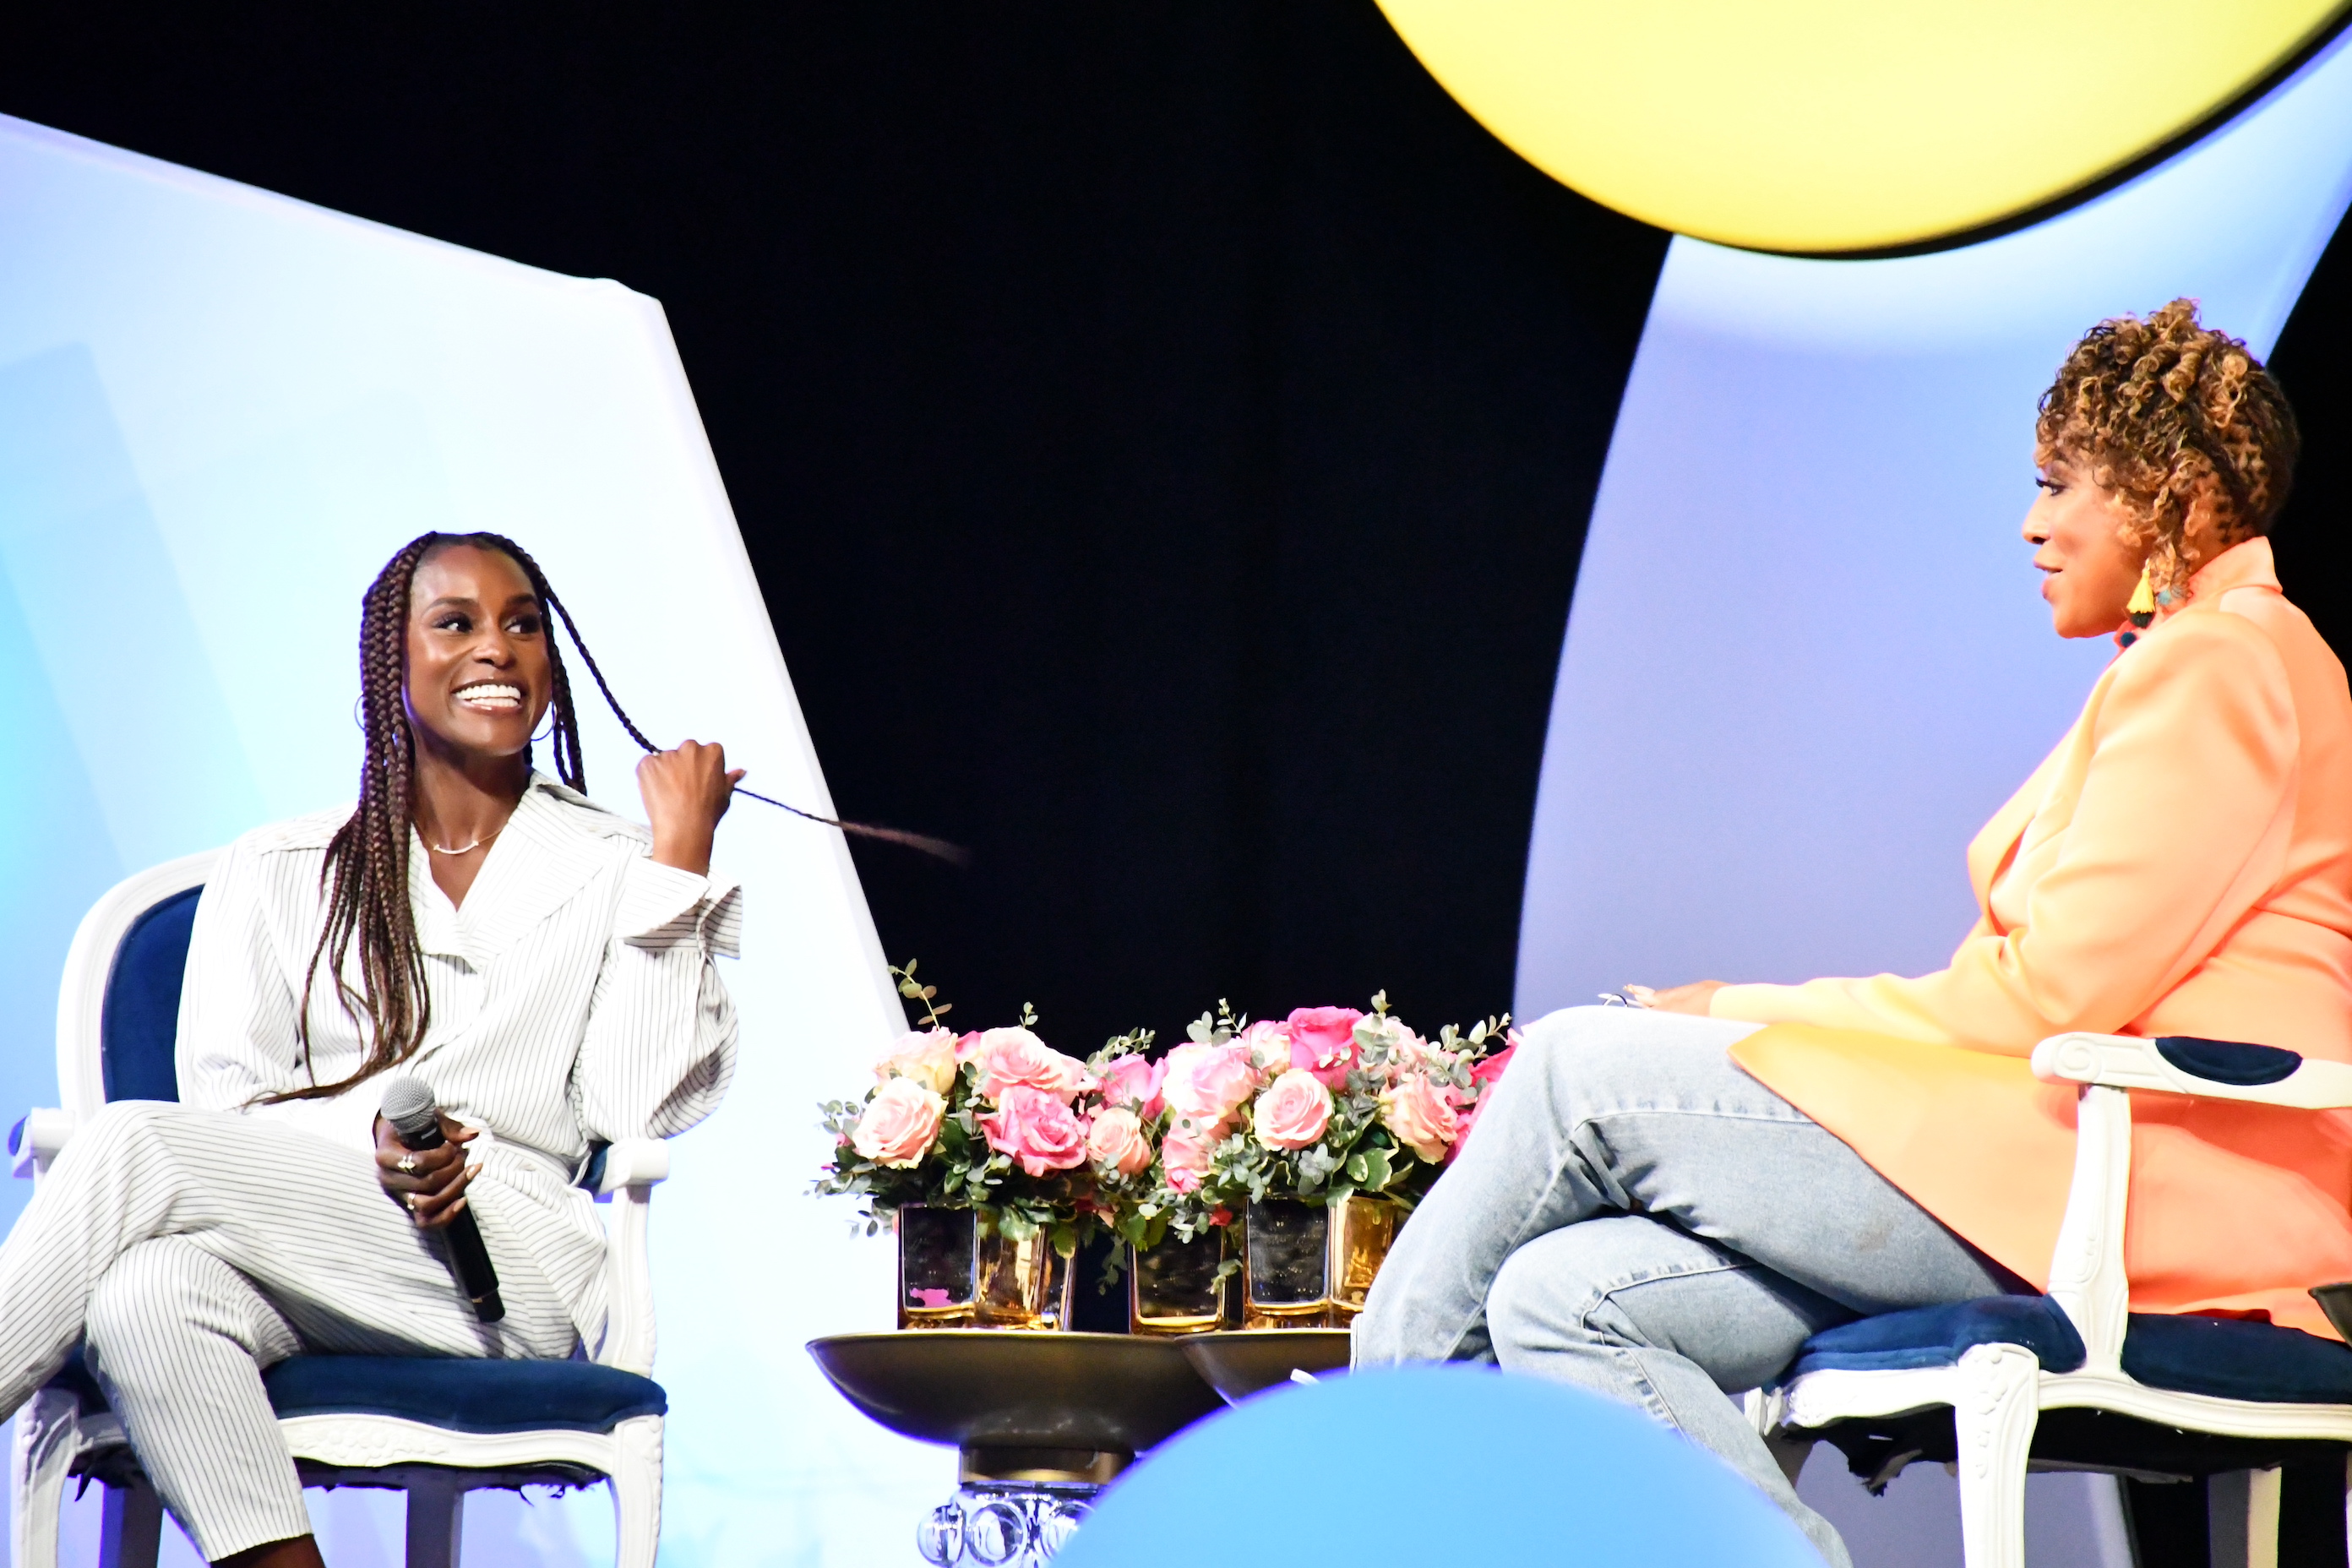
(1293, 1112)
(1116, 1139)
(1484, 1075)
(1015, 1056)
(1323, 1042)
(1184, 1155)
(1134, 1082)
(968, 1046)
(1037, 1128)
(927, 1055)
(1206, 1084)
(1421, 1115)
(899, 1124)
(1268, 1044)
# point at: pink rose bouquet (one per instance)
(997, 1120)
(1320, 1105)
(1326, 1103)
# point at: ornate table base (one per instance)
(1044, 1421)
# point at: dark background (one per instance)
(1164, 432)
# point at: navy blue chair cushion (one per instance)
(455, 1395)
(2235, 1359)
(1936, 1336)
(465, 1396)
(2227, 1061)
(2226, 1357)
(139, 1025)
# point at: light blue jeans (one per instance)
(1638, 1216)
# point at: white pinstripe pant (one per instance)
(194, 1247)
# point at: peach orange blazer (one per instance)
(2180, 864)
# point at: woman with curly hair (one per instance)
(1662, 1204)
(544, 967)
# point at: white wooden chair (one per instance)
(432, 1427)
(2075, 1380)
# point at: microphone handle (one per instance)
(476, 1275)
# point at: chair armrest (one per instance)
(38, 1140)
(632, 1167)
(2086, 1267)
(2261, 1075)
(633, 1163)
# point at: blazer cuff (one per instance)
(662, 907)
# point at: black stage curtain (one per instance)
(2314, 364)
(1164, 432)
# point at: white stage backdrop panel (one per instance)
(220, 411)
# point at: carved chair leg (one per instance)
(131, 1527)
(48, 1434)
(437, 1516)
(1994, 1414)
(636, 1482)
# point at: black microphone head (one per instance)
(409, 1106)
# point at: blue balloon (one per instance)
(1435, 1466)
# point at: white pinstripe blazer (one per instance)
(573, 1000)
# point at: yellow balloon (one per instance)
(1841, 125)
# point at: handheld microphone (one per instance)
(416, 1120)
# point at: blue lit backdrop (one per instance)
(1806, 658)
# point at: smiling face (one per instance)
(2085, 545)
(477, 667)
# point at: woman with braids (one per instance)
(1662, 1203)
(542, 966)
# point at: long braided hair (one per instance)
(366, 877)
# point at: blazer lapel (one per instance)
(439, 928)
(1995, 845)
(547, 851)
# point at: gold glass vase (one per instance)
(937, 1267)
(1286, 1264)
(1174, 1288)
(1361, 1230)
(1061, 1289)
(1010, 1279)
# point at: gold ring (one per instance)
(407, 1165)
(410, 1199)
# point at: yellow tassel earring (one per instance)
(2139, 611)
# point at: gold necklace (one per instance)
(470, 849)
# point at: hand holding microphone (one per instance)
(421, 1160)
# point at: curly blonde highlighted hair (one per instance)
(2163, 412)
